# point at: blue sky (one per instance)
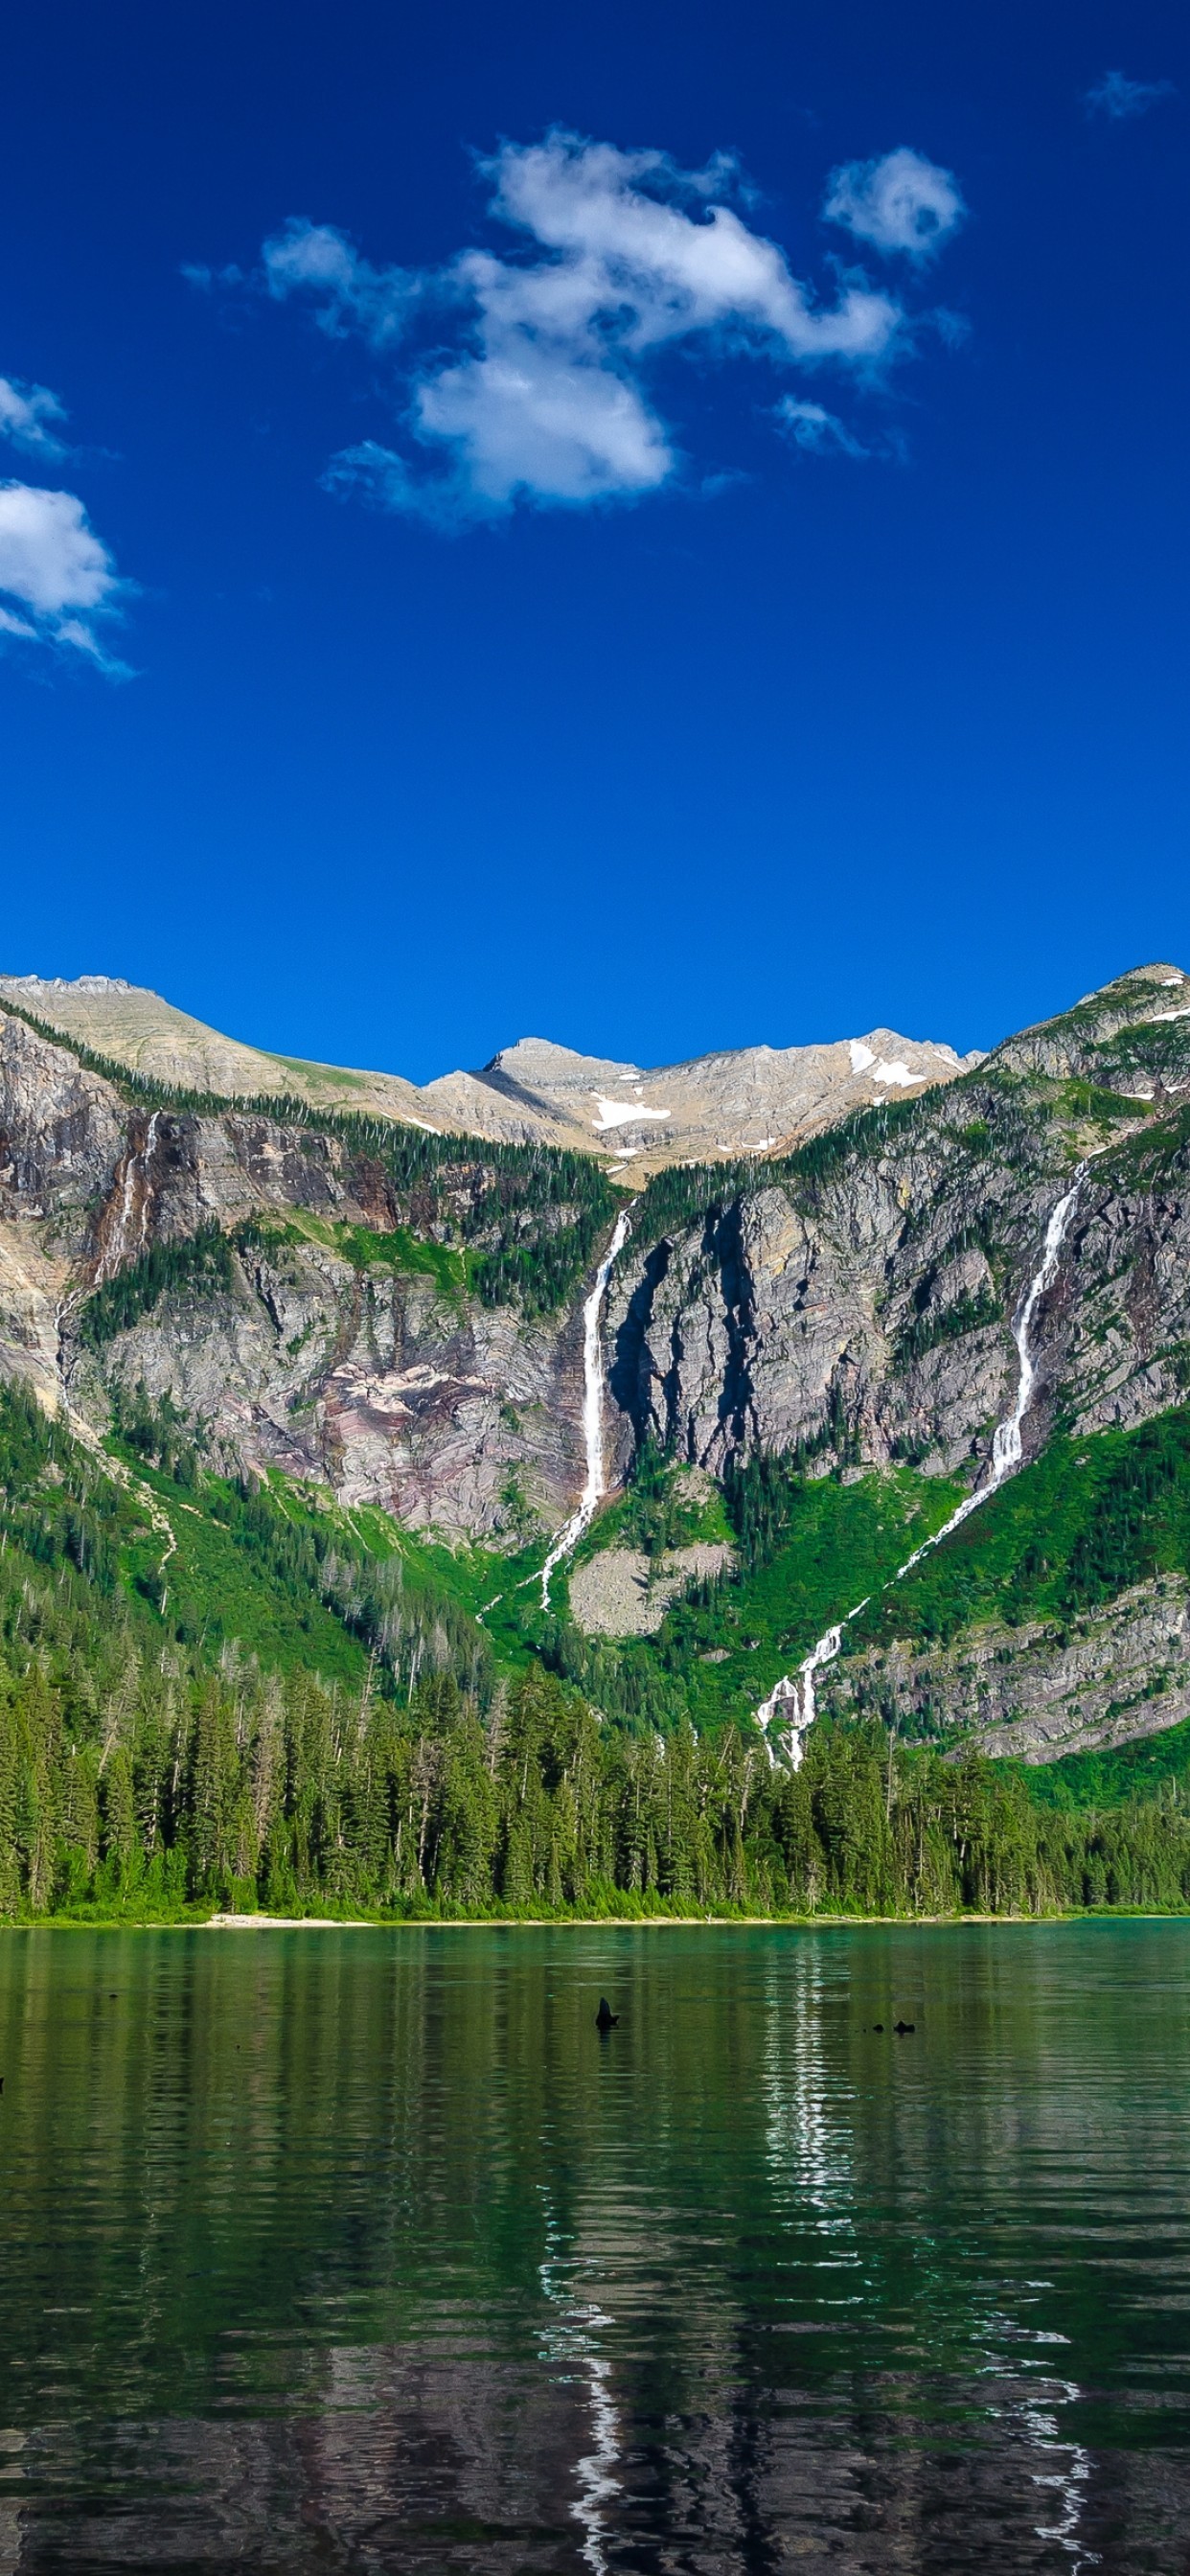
(650, 526)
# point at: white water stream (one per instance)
(793, 1697)
(128, 1235)
(593, 1491)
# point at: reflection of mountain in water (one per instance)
(355, 2252)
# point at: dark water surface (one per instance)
(330, 2251)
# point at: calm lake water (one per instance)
(351, 2251)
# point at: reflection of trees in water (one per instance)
(428, 2277)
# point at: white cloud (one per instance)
(633, 257)
(25, 412)
(57, 571)
(533, 418)
(818, 431)
(1116, 97)
(537, 385)
(902, 204)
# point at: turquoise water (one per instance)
(355, 2251)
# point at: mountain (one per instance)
(753, 1100)
(738, 1393)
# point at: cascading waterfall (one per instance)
(146, 1205)
(793, 1697)
(593, 1491)
(121, 1242)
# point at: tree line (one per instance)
(238, 1788)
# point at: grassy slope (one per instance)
(244, 1567)
(220, 1583)
(1084, 1520)
(1152, 1769)
(841, 1541)
(1079, 1525)
(284, 1571)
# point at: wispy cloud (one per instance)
(818, 431)
(1117, 97)
(904, 205)
(347, 294)
(57, 580)
(538, 384)
(29, 415)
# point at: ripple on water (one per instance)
(361, 2250)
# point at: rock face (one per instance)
(864, 1308)
(443, 1410)
(61, 1133)
(446, 1414)
(1106, 1677)
(750, 1100)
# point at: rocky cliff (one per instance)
(1112, 1673)
(859, 1300)
(381, 1375)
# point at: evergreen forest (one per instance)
(215, 1695)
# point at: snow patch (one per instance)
(864, 1060)
(897, 1072)
(622, 1113)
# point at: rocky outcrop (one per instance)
(863, 1311)
(61, 1135)
(1104, 1677)
(34, 1286)
(621, 1592)
(844, 1324)
(450, 1415)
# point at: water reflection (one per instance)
(362, 2252)
(570, 2346)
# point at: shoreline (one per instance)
(592, 1922)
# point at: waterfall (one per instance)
(793, 1696)
(120, 1243)
(569, 1535)
(146, 1205)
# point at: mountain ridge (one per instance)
(730, 1102)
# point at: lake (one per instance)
(349, 2250)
